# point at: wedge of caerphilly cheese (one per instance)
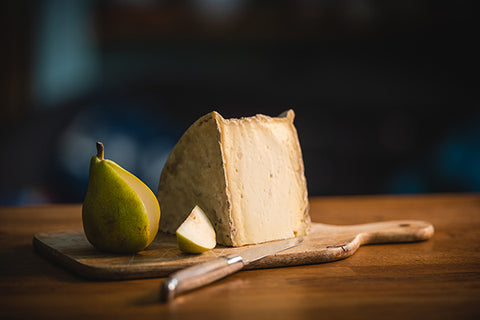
(247, 174)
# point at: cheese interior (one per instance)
(264, 178)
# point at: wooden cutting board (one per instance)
(325, 243)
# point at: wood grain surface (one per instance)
(434, 279)
(325, 243)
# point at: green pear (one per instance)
(120, 213)
(196, 234)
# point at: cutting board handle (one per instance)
(394, 231)
(351, 237)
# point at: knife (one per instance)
(205, 273)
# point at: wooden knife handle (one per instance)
(199, 275)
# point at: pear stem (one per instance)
(100, 150)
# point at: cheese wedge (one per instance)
(247, 174)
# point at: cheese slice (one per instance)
(247, 174)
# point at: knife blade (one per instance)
(205, 273)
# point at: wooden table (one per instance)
(437, 279)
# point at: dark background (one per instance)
(385, 92)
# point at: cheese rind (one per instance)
(247, 174)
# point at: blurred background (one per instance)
(385, 92)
